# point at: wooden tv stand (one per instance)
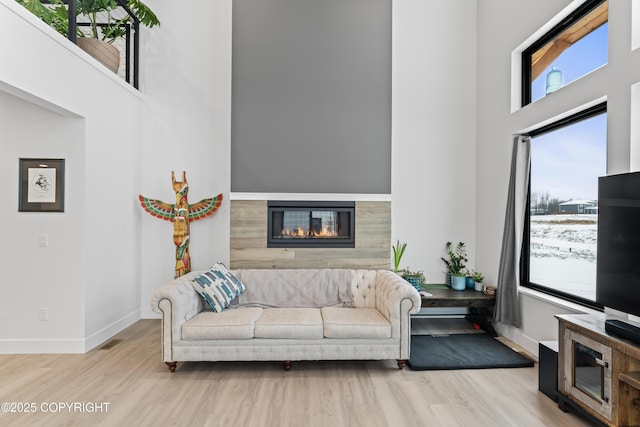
(617, 401)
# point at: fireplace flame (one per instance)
(302, 233)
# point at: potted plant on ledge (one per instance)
(101, 35)
(104, 28)
(455, 263)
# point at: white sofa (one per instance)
(291, 315)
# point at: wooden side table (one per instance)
(479, 305)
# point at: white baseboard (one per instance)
(41, 346)
(109, 331)
(68, 346)
(147, 313)
(514, 334)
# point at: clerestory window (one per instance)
(570, 50)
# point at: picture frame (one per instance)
(41, 185)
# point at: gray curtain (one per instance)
(507, 307)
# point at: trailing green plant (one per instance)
(398, 251)
(115, 28)
(55, 16)
(91, 9)
(457, 257)
(96, 11)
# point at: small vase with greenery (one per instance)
(478, 278)
(416, 278)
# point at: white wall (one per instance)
(56, 101)
(37, 276)
(186, 79)
(504, 26)
(187, 124)
(433, 130)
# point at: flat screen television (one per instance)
(618, 265)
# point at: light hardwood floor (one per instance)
(130, 376)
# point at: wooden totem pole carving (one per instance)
(181, 214)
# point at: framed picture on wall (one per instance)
(41, 183)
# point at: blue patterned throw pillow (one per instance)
(218, 287)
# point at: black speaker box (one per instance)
(548, 368)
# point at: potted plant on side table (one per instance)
(478, 278)
(398, 251)
(416, 278)
(455, 263)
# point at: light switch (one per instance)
(43, 239)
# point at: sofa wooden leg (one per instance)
(287, 365)
(401, 363)
(171, 366)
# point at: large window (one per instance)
(559, 253)
(572, 49)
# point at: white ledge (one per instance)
(311, 196)
(559, 302)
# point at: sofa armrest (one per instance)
(177, 302)
(396, 299)
(391, 289)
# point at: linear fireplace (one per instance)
(315, 224)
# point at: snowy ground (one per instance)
(563, 253)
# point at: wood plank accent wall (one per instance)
(249, 241)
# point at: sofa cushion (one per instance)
(230, 324)
(299, 323)
(218, 287)
(296, 288)
(340, 322)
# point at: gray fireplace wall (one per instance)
(311, 96)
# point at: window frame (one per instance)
(583, 10)
(525, 253)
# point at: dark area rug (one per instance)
(463, 351)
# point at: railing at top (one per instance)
(127, 40)
(113, 22)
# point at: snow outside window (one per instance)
(566, 162)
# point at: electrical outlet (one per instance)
(43, 240)
(43, 314)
